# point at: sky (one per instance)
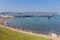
(29, 5)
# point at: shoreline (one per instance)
(25, 32)
(2, 20)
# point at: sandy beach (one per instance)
(25, 32)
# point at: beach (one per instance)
(2, 20)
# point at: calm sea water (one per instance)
(36, 24)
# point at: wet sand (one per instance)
(2, 20)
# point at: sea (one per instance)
(36, 24)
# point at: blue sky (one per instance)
(30, 5)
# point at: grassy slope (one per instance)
(6, 34)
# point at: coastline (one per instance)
(2, 20)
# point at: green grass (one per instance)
(6, 34)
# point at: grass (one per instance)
(6, 34)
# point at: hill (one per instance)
(6, 34)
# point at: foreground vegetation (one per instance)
(6, 34)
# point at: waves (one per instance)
(5, 23)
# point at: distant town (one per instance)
(28, 14)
